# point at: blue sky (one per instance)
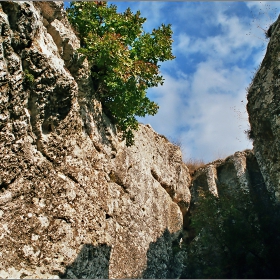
(218, 47)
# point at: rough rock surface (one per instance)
(239, 182)
(237, 172)
(75, 202)
(264, 113)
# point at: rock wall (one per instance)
(264, 113)
(75, 202)
(240, 234)
(237, 173)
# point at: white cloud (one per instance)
(216, 114)
(169, 97)
(233, 43)
(183, 42)
(205, 112)
(217, 123)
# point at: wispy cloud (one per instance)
(216, 112)
(205, 111)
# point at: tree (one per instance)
(124, 59)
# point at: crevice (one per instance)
(73, 178)
(23, 275)
(154, 174)
(65, 219)
(169, 189)
(11, 10)
(41, 149)
(107, 216)
(4, 185)
(15, 14)
(116, 179)
(189, 232)
(124, 188)
(198, 184)
(185, 210)
(97, 146)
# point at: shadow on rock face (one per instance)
(268, 214)
(164, 260)
(92, 262)
(164, 257)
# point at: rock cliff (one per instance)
(264, 113)
(75, 202)
(239, 236)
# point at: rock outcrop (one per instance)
(239, 171)
(264, 114)
(240, 234)
(75, 202)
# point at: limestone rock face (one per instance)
(264, 113)
(239, 171)
(241, 222)
(75, 202)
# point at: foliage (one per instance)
(249, 133)
(28, 78)
(229, 241)
(124, 59)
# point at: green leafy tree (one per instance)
(124, 59)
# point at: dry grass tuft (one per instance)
(194, 164)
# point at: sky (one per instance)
(218, 48)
